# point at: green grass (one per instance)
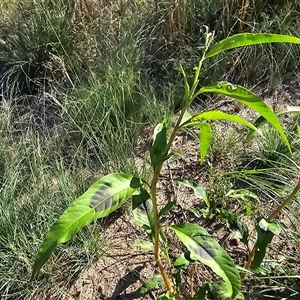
(108, 74)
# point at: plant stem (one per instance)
(192, 280)
(269, 219)
(188, 98)
(285, 202)
(248, 264)
(157, 231)
(155, 209)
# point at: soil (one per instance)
(123, 269)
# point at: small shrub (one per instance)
(113, 190)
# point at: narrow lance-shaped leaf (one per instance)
(251, 100)
(102, 198)
(248, 39)
(187, 93)
(217, 115)
(204, 249)
(205, 139)
(265, 234)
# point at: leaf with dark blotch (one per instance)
(265, 234)
(204, 249)
(102, 198)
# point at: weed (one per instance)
(112, 191)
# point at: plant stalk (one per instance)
(155, 209)
(157, 231)
(285, 202)
(187, 101)
(192, 280)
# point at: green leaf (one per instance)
(200, 212)
(214, 290)
(155, 282)
(166, 296)
(243, 194)
(183, 260)
(166, 208)
(298, 127)
(187, 93)
(265, 234)
(102, 198)
(247, 39)
(218, 115)
(205, 139)
(142, 210)
(205, 135)
(158, 149)
(261, 120)
(204, 249)
(146, 245)
(186, 117)
(236, 226)
(181, 264)
(198, 190)
(251, 100)
(257, 123)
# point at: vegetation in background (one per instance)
(80, 79)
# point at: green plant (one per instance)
(113, 190)
(215, 202)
